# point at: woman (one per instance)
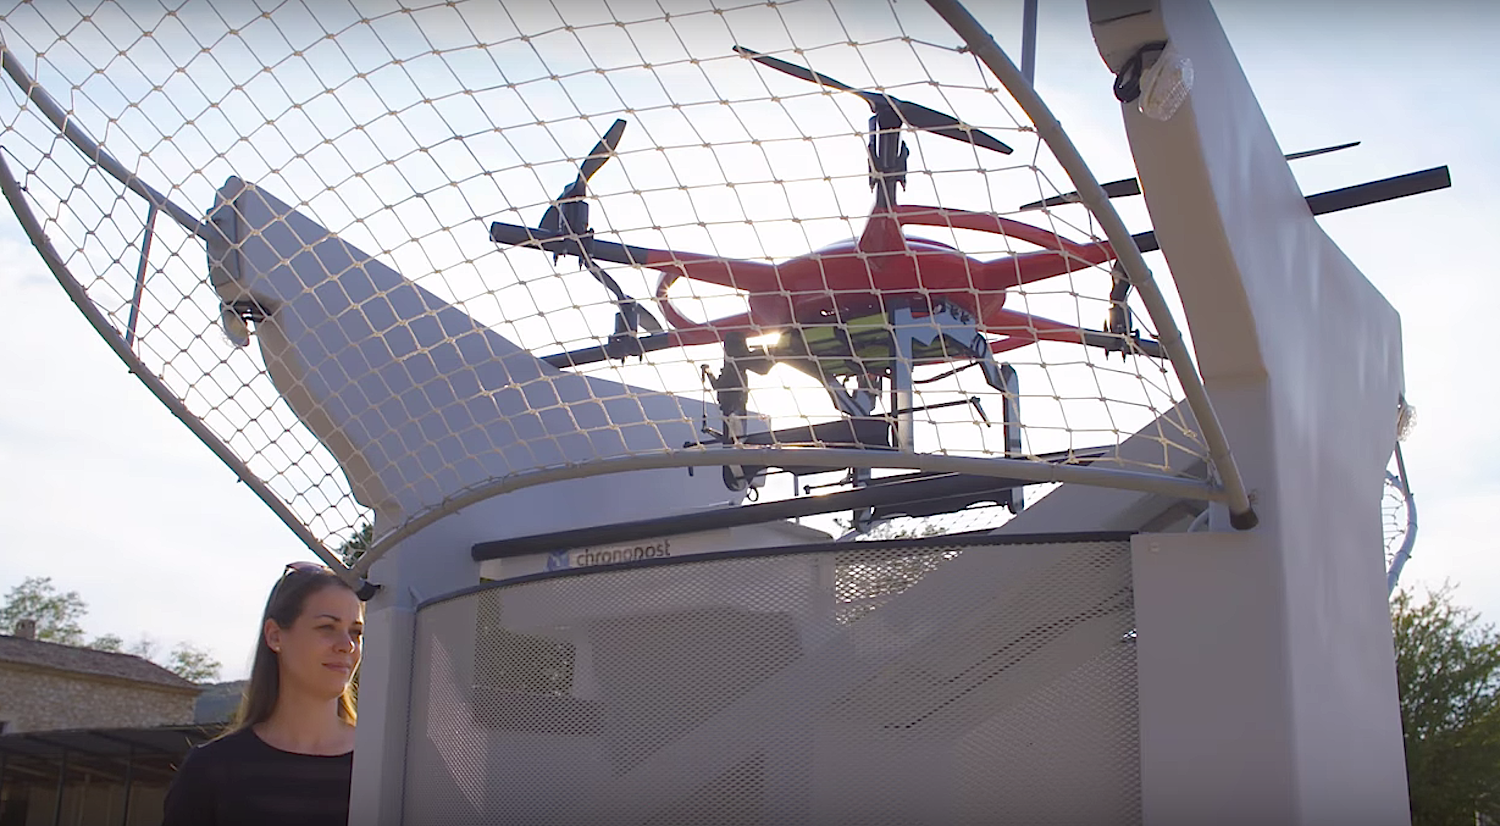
(287, 759)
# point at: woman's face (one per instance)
(320, 651)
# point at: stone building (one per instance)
(88, 736)
(46, 686)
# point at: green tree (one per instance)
(193, 663)
(908, 529)
(56, 614)
(1448, 670)
(147, 648)
(355, 547)
(58, 617)
(108, 642)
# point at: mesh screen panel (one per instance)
(894, 685)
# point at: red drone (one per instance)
(826, 291)
(858, 315)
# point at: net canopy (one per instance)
(409, 253)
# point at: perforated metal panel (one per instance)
(893, 685)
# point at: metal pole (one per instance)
(129, 780)
(62, 776)
(1242, 514)
(1028, 41)
(1407, 542)
(82, 797)
(140, 277)
(902, 398)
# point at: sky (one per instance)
(104, 492)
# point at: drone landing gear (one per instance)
(861, 428)
(733, 395)
(1121, 335)
(853, 359)
(949, 328)
(944, 330)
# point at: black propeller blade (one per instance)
(1295, 156)
(915, 115)
(1132, 186)
(569, 214)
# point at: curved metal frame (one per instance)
(1241, 511)
(831, 458)
(1398, 561)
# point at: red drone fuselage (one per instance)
(881, 270)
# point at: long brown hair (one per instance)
(284, 606)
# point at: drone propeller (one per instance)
(1308, 153)
(569, 213)
(632, 316)
(569, 216)
(915, 115)
(1132, 186)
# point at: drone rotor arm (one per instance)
(1028, 267)
(1017, 329)
(1010, 342)
(698, 332)
(1020, 329)
(1091, 253)
(750, 276)
(689, 332)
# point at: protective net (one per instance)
(1398, 507)
(405, 254)
(1396, 518)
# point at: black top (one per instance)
(239, 780)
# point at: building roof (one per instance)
(88, 661)
(110, 755)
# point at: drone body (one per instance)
(875, 274)
(880, 271)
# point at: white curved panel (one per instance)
(417, 400)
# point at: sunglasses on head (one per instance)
(300, 568)
(366, 590)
